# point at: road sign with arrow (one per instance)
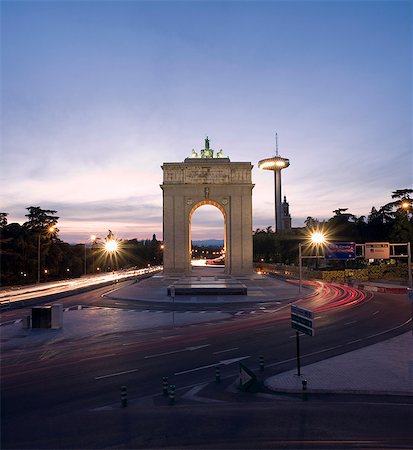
(247, 378)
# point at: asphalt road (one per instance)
(68, 395)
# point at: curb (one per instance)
(339, 391)
(381, 289)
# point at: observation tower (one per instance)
(276, 164)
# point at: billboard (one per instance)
(340, 250)
(377, 250)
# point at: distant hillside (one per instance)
(207, 242)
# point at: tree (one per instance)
(3, 219)
(40, 219)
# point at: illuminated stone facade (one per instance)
(214, 181)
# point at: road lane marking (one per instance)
(116, 374)
(375, 313)
(223, 351)
(350, 323)
(97, 357)
(225, 362)
(177, 351)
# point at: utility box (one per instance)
(57, 316)
(42, 317)
(48, 316)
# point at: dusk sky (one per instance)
(96, 95)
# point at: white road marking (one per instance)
(116, 374)
(318, 317)
(350, 323)
(223, 351)
(191, 395)
(225, 362)
(97, 357)
(239, 312)
(376, 312)
(177, 351)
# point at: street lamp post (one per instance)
(50, 229)
(85, 265)
(300, 266)
(317, 239)
(38, 258)
(93, 239)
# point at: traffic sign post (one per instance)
(301, 321)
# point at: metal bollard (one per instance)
(123, 397)
(172, 394)
(305, 394)
(261, 359)
(165, 386)
(217, 374)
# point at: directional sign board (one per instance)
(377, 250)
(340, 250)
(302, 320)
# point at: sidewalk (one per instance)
(383, 368)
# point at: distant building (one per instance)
(285, 215)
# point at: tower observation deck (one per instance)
(276, 164)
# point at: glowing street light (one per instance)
(316, 238)
(406, 204)
(111, 246)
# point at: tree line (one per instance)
(36, 244)
(33, 251)
(392, 222)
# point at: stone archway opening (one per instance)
(207, 236)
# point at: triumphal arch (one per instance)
(205, 178)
